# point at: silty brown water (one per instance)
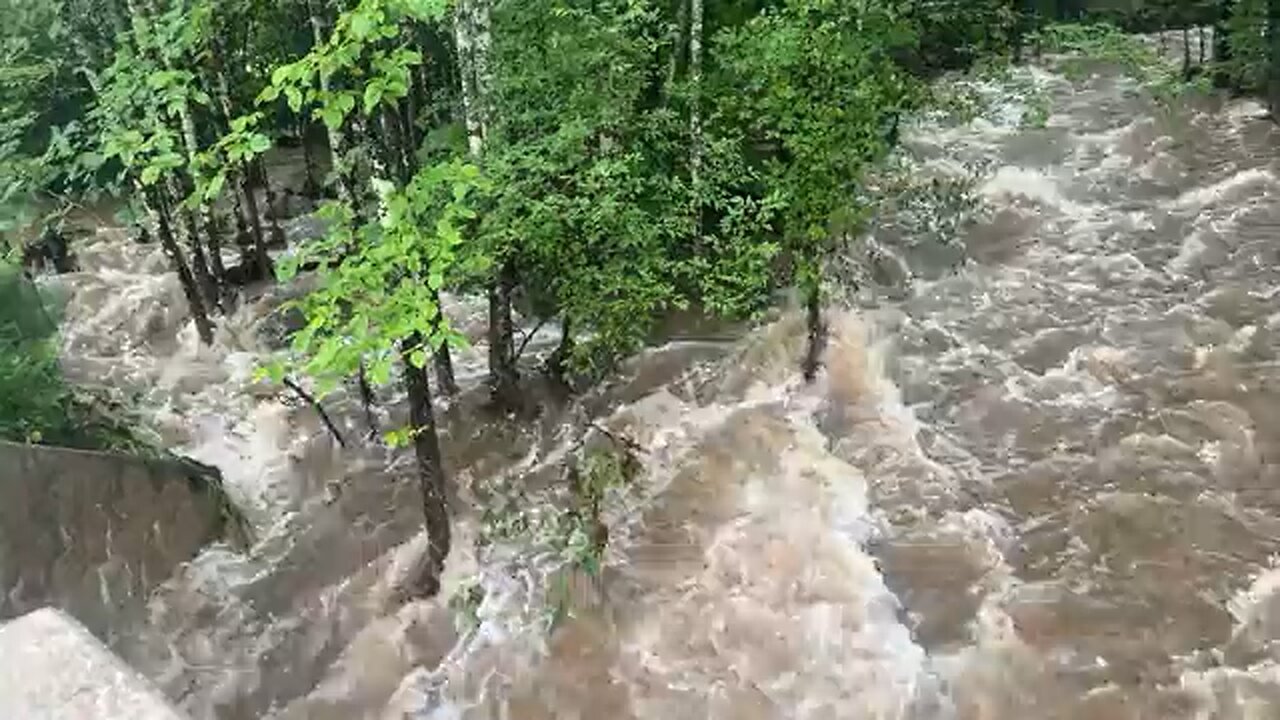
(1042, 485)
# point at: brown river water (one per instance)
(1042, 483)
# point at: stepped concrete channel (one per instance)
(85, 537)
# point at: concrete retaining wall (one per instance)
(94, 533)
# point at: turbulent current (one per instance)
(1041, 483)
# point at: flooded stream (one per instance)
(1043, 484)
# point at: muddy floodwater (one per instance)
(1038, 479)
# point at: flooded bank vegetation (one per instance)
(596, 165)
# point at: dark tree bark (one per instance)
(443, 361)
(200, 262)
(367, 400)
(260, 258)
(1222, 44)
(158, 207)
(557, 367)
(311, 186)
(504, 380)
(817, 332)
(431, 475)
(310, 399)
(1273, 65)
(214, 228)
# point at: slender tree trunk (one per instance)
(1186, 53)
(248, 219)
(367, 400)
(214, 228)
(558, 362)
(679, 43)
(199, 260)
(695, 114)
(277, 233)
(473, 39)
(337, 140)
(311, 187)
(157, 209)
(1273, 66)
(504, 379)
(464, 31)
(431, 475)
(816, 330)
(443, 361)
(1222, 76)
(261, 259)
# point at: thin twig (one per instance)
(626, 442)
(309, 399)
(529, 336)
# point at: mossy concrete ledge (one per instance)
(95, 533)
(54, 669)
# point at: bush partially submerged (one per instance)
(37, 405)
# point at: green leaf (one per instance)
(294, 97)
(150, 174)
(372, 96)
(259, 143)
(215, 186)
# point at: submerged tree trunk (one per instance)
(311, 185)
(200, 261)
(260, 258)
(157, 208)
(443, 360)
(277, 233)
(367, 400)
(504, 380)
(816, 330)
(431, 475)
(214, 228)
(557, 367)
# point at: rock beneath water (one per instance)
(54, 669)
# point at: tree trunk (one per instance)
(248, 219)
(200, 261)
(214, 228)
(464, 32)
(277, 233)
(558, 363)
(431, 475)
(817, 333)
(504, 380)
(1222, 45)
(311, 186)
(367, 400)
(261, 259)
(157, 209)
(1186, 54)
(443, 360)
(337, 140)
(695, 115)
(1273, 66)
